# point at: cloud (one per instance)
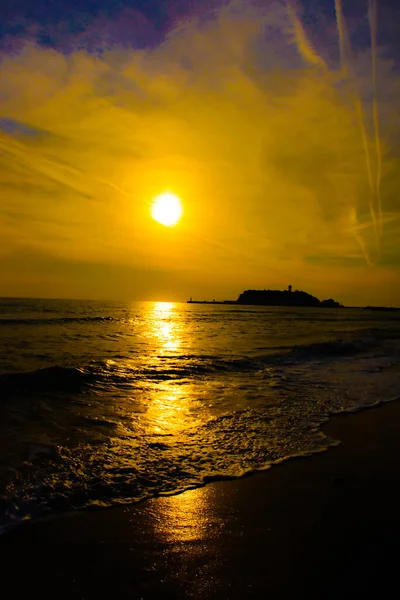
(242, 111)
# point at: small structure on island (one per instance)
(289, 288)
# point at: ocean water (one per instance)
(111, 403)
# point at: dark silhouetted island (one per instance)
(275, 298)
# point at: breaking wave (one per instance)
(102, 406)
(175, 367)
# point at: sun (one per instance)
(166, 209)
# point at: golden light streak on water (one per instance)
(188, 517)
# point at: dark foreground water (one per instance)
(110, 403)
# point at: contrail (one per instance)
(360, 115)
(372, 15)
(341, 31)
(355, 229)
(303, 43)
(345, 48)
(310, 54)
(363, 249)
(56, 170)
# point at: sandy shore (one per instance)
(327, 526)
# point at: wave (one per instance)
(132, 482)
(335, 348)
(56, 378)
(105, 375)
(56, 321)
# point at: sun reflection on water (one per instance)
(188, 517)
(165, 326)
(169, 409)
(173, 409)
(170, 404)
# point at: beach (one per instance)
(324, 526)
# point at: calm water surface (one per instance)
(109, 403)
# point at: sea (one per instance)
(110, 403)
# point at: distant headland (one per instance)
(274, 298)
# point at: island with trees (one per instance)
(275, 298)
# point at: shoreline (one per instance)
(318, 526)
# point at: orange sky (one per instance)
(246, 119)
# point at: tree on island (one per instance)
(283, 298)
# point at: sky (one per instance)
(275, 122)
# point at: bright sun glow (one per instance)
(166, 209)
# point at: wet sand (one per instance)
(327, 526)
